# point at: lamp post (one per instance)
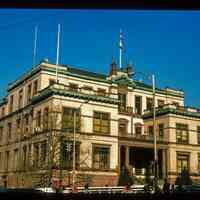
(152, 78)
(74, 148)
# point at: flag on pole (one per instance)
(121, 42)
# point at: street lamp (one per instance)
(74, 148)
(152, 78)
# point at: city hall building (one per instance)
(110, 118)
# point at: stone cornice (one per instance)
(53, 90)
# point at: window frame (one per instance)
(149, 103)
(35, 87)
(198, 134)
(124, 122)
(161, 130)
(160, 103)
(140, 104)
(178, 156)
(99, 146)
(100, 124)
(180, 134)
(138, 126)
(70, 128)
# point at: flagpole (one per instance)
(120, 58)
(120, 49)
(35, 45)
(57, 54)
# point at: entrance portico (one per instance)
(139, 159)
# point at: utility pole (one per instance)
(152, 78)
(74, 147)
(155, 137)
(74, 152)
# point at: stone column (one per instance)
(127, 156)
(164, 163)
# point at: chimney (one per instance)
(129, 69)
(113, 67)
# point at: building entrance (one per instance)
(140, 159)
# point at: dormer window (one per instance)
(11, 103)
(149, 103)
(161, 103)
(3, 112)
(122, 104)
(73, 87)
(101, 92)
(29, 93)
(20, 99)
(51, 81)
(35, 87)
(175, 103)
(87, 89)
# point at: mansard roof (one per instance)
(98, 77)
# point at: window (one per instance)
(68, 119)
(9, 130)
(101, 157)
(122, 102)
(198, 134)
(87, 88)
(35, 155)
(199, 162)
(1, 133)
(182, 162)
(138, 105)
(182, 133)
(161, 103)
(3, 112)
(26, 127)
(149, 103)
(38, 118)
(150, 131)
(35, 87)
(46, 118)
(101, 122)
(51, 81)
(18, 125)
(24, 156)
(20, 99)
(7, 166)
(29, 154)
(43, 152)
(161, 130)
(1, 161)
(29, 93)
(123, 126)
(175, 103)
(11, 103)
(101, 92)
(73, 87)
(67, 154)
(138, 128)
(15, 159)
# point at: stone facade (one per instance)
(37, 128)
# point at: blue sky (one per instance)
(166, 43)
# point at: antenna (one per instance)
(57, 54)
(35, 45)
